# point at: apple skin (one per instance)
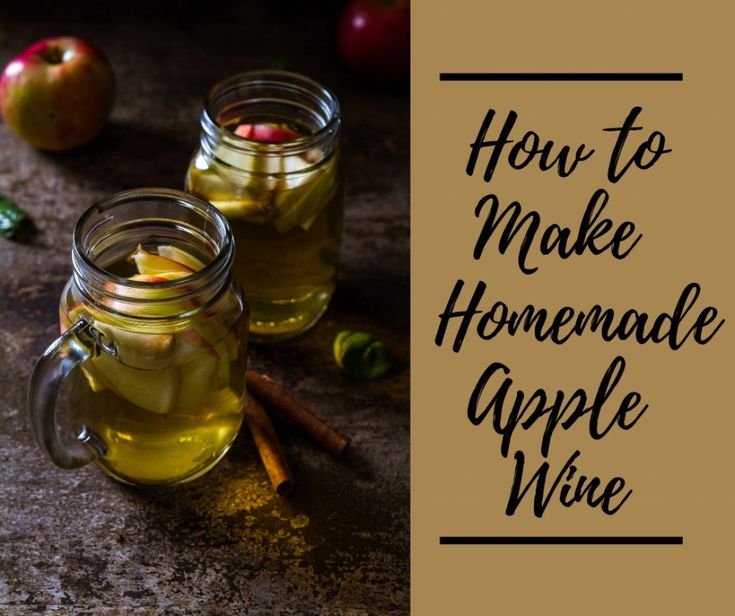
(265, 133)
(57, 94)
(374, 39)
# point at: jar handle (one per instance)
(73, 347)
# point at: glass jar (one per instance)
(154, 347)
(269, 159)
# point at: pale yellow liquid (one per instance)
(289, 277)
(143, 447)
(288, 274)
(168, 407)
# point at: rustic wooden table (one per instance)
(224, 543)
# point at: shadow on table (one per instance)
(343, 531)
(130, 155)
(28, 234)
(380, 299)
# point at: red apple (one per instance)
(57, 94)
(373, 39)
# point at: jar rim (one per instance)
(215, 269)
(274, 77)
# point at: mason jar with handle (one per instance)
(153, 343)
(269, 160)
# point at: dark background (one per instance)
(224, 543)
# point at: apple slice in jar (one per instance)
(223, 364)
(143, 371)
(167, 258)
(259, 158)
(225, 402)
(243, 166)
(152, 390)
(142, 350)
(159, 371)
(145, 301)
(201, 333)
(152, 264)
(238, 195)
(191, 344)
(300, 205)
(195, 383)
(180, 256)
(121, 292)
(198, 361)
(224, 338)
(296, 174)
(155, 350)
(267, 132)
(254, 211)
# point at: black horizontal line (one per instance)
(561, 76)
(574, 540)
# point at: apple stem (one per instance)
(53, 55)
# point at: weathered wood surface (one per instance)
(224, 543)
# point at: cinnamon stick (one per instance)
(270, 393)
(268, 446)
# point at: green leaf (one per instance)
(11, 216)
(361, 356)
